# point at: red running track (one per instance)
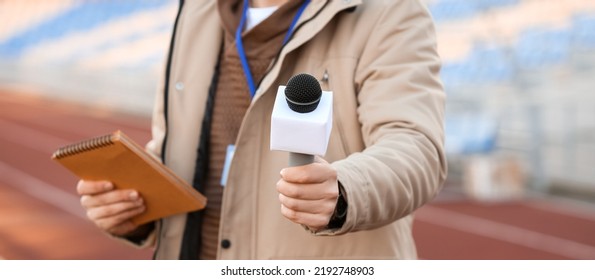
(40, 215)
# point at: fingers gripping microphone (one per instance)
(302, 119)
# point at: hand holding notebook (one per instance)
(116, 158)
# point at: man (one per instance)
(385, 157)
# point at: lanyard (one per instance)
(240, 44)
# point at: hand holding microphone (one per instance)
(308, 193)
(301, 125)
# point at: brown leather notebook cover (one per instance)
(116, 158)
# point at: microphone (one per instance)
(302, 119)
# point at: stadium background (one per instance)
(520, 124)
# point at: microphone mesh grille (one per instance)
(303, 88)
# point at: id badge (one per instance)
(228, 157)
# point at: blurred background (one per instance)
(520, 124)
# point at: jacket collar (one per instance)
(316, 16)
(332, 6)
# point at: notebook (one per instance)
(117, 158)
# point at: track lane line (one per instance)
(569, 208)
(41, 190)
(30, 138)
(61, 110)
(506, 233)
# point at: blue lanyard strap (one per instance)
(240, 43)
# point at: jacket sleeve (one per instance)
(401, 112)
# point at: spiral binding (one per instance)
(84, 146)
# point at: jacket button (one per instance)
(180, 86)
(225, 243)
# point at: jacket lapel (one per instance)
(316, 16)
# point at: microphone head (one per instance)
(303, 93)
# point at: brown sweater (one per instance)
(232, 98)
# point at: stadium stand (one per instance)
(539, 48)
(480, 41)
(583, 31)
(512, 70)
(85, 31)
(99, 52)
(18, 16)
(446, 10)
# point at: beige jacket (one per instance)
(380, 61)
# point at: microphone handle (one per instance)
(297, 159)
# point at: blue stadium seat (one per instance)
(452, 9)
(494, 64)
(445, 10)
(541, 47)
(470, 134)
(490, 4)
(484, 65)
(583, 31)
